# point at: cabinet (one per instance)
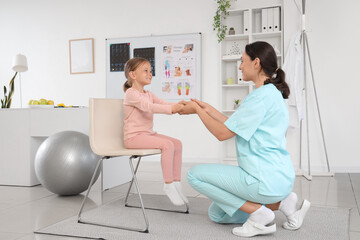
(256, 23)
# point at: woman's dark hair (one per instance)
(132, 65)
(268, 61)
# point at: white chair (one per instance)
(106, 139)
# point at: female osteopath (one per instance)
(264, 179)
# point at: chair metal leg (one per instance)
(132, 180)
(113, 226)
(89, 188)
(159, 209)
(138, 190)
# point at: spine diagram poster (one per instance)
(178, 74)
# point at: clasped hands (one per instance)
(187, 107)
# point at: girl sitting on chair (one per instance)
(139, 109)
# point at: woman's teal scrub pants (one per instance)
(229, 187)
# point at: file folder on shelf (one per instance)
(264, 20)
(270, 19)
(239, 75)
(246, 22)
(276, 19)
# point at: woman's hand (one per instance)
(189, 108)
(203, 105)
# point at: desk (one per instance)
(22, 130)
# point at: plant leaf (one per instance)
(9, 104)
(5, 90)
(12, 79)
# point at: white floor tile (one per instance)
(354, 235)
(34, 236)
(19, 195)
(10, 236)
(354, 220)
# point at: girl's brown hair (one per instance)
(268, 61)
(132, 65)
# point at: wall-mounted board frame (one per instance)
(175, 62)
(81, 56)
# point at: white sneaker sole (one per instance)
(250, 229)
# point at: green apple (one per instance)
(35, 102)
(43, 101)
(31, 102)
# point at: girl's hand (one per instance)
(176, 108)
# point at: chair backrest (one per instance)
(106, 125)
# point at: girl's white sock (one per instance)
(288, 205)
(173, 194)
(180, 191)
(263, 215)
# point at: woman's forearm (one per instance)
(213, 124)
(214, 113)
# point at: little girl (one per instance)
(139, 109)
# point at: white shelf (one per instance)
(267, 34)
(236, 37)
(236, 85)
(228, 111)
(230, 58)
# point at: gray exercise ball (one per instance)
(65, 163)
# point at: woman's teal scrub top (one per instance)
(261, 123)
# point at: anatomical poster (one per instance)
(178, 79)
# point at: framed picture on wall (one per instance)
(81, 56)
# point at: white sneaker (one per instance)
(296, 219)
(172, 194)
(250, 229)
(180, 191)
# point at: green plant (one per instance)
(236, 101)
(231, 28)
(6, 102)
(221, 12)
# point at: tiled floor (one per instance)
(25, 209)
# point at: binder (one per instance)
(246, 22)
(270, 19)
(239, 73)
(276, 19)
(264, 20)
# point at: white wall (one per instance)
(42, 29)
(333, 37)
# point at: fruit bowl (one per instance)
(42, 103)
(41, 106)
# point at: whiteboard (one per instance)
(177, 65)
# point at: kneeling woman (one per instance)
(264, 179)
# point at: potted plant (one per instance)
(236, 103)
(221, 12)
(231, 31)
(6, 102)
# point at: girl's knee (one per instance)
(167, 145)
(177, 144)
